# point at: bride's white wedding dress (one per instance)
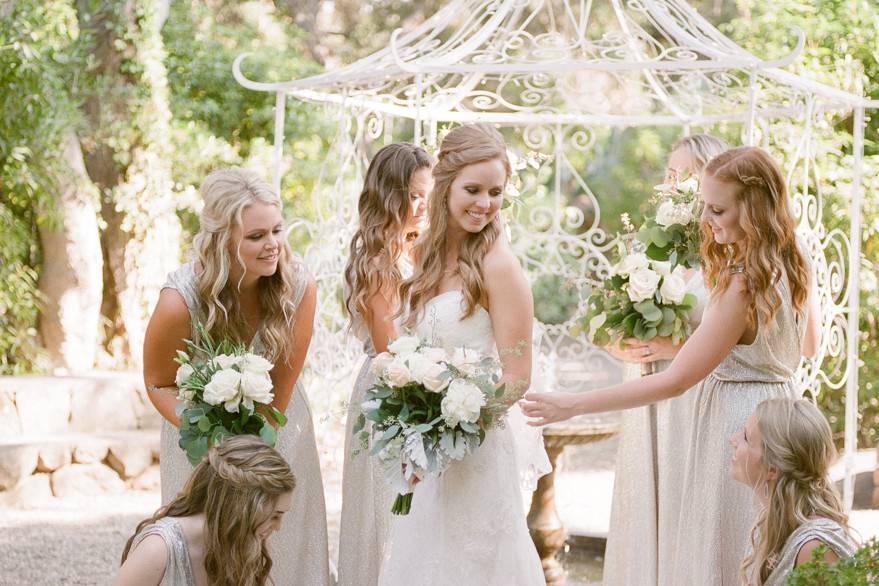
(466, 527)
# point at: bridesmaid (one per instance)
(652, 452)
(783, 454)
(214, 531)
(761, 316)
(246, 285)
(392, 210)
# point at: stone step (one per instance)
(101, 401)
(128, 454)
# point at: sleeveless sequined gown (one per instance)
(648, 479)
(467, 527)
(829, 532)
(299, 549)
(718, 514)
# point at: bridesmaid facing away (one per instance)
(215, 529)
(392, 209)
(652, 454)
(784, 453)
(761, 317)
(244, 284)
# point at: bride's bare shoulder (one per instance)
(500, 257)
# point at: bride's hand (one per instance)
(546, 408)
(415, 478)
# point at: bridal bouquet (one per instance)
(221, 385)
(642, 298)
(428, 407)
(673, 233)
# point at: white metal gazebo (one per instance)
(555, 75)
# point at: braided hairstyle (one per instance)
(236, 486)
(769, 249)
(798, 443)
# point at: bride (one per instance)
(467, 527)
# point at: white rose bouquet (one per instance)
(220, 386)
(429, 406)
(673, 234)
(642, 298)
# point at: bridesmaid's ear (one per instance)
(772, 474)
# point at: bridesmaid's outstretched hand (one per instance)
(545, 408)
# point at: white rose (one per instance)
(380, 363)
(689, 186)
(665, 213)
(224, 387)
(465, 360)
(463, 402)
(673, 288)
(642, 284)
(670, 213)
(404, 345)
(432, 377)
(397, 373)
(684, 213)
(633, 262)
(256, 388)
(226, 361)
(416, 364)
(434, 354)
(183, 373)
(255, 364)
(663, 267)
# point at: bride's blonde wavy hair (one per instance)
(463, 146)
(236, 487)
(227, 193)
(380, 239)
(798, 443)
(769, 249)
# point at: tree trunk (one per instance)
(126, 157)
(71, 280)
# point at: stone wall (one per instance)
(76, 436)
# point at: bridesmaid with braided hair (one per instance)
(215, 530)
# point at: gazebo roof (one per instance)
(626, 63)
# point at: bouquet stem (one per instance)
(648, 368)
(402, 504)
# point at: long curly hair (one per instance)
(380, 239)
(236, 487)
(463, 146)
(227, 193)
(769, 249)
(797, 442)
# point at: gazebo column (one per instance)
(280, 104)
(854, 303)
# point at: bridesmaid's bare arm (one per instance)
(724, 325)
(805, 553)
(380, 321)
(812, 338)
(286, 371)
(145, 565)
(169, 326)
